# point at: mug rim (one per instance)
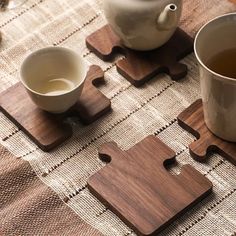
(220, 76)
(53, 48)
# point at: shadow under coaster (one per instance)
(192, 120)
(137, 187)
(139, 67)
(49, 130)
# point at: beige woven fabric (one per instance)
(29, 207)
(137, 112)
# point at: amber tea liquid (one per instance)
(224, 63)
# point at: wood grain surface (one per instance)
(49, 130)
(192, 120)
(139, 67)
(138, 188)
(92, 104)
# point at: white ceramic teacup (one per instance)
(218, 91)
(54, 78)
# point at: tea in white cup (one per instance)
(54, 78)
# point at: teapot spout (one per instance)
(168, 19)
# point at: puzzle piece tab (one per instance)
(192, 120)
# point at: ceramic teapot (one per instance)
(143, 24)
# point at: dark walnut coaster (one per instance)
(49, 130)
(139, 67)
(138, 188)
(192, 120)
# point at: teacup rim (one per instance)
(53, 48)
(219, 76)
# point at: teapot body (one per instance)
(138, 23)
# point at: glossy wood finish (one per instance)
(49, 130)
(139, 189)
(139, 67)
(192, 120)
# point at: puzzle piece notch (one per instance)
(138, 188)
(110, 151)
(139, 67)
(49, 130)
(192, 120)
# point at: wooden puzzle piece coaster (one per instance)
(49, 130)
(137, 187)
(192, 120)
(139, 67)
